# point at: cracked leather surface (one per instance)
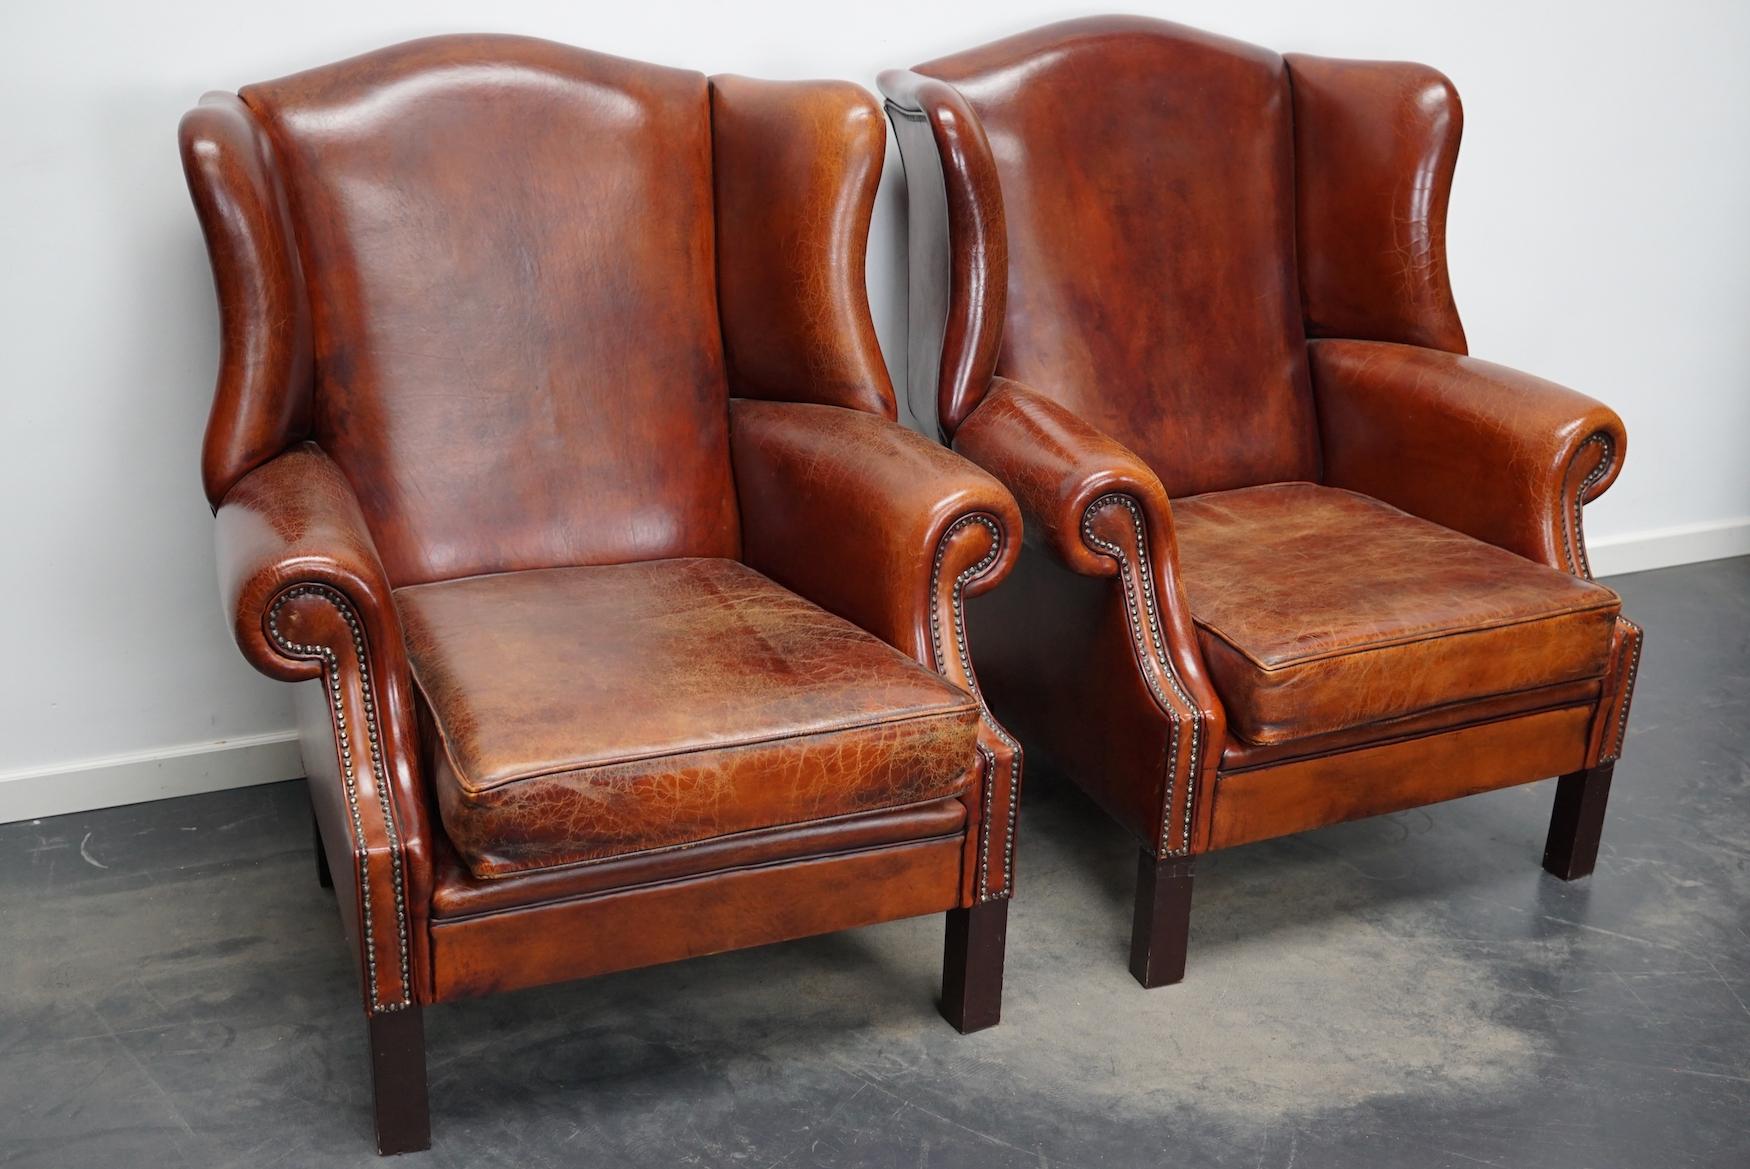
(594, 712)
(1320, 609)
(1375, 147)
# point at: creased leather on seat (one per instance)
(592, 712)
(1320, 609)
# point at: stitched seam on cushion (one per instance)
(1493, 694)
(1427, 710)
(438, 923)
(695, 841)
(1413, 637)
(585, 766)
(684, 845)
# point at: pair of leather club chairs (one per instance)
(553, 454)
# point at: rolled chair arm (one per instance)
(1093, 504)
(309, 600)
(1500, 455)
(892, 532)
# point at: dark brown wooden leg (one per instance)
(1577, 822)
(972, 966)
(1162, 924)
(323, 877)
(402, 1115)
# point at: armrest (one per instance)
(1058, 466)
(309, 599)
(1091, 503)
(892, 532)
(854, 512)
(1496, 454)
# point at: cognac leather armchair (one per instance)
(555, 461)
(1292, 557)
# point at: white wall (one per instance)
(1600, 235)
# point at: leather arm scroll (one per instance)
(890, 531)
(1099, 509)
(310, 601)
(1483, 449)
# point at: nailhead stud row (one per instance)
(331, 688)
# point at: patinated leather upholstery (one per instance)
(1291, 555)
(553, 449)
(1320, 610)
(584, 713)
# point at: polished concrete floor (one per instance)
(1410, 991)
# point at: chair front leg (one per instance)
(1161, 928)
(1577, 823)
(400, 1110)
(972, 965)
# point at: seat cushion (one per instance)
(586, 713)
(1320, 610)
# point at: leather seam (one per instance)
(584, 768)
(1429, 710)
(1431, 634)
(685, 845)
(1135, 610)
(332, 691)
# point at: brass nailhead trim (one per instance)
(1137, 608)
(969, 574)
(331, 688)
(1575, 547)
(1628, 693)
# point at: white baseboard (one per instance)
(185, 769)
(1665, 547)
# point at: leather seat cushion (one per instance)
(1320, 610)
(586, 713)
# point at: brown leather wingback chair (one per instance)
(554, 457)
(1292, 557)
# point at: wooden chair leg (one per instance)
(398, 1098)
(972, 966)
(1162, 925)
(1577, 822)
(324, 878)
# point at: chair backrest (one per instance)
(508, 246)
(1148, 182)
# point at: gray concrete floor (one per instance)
(1406, 991)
